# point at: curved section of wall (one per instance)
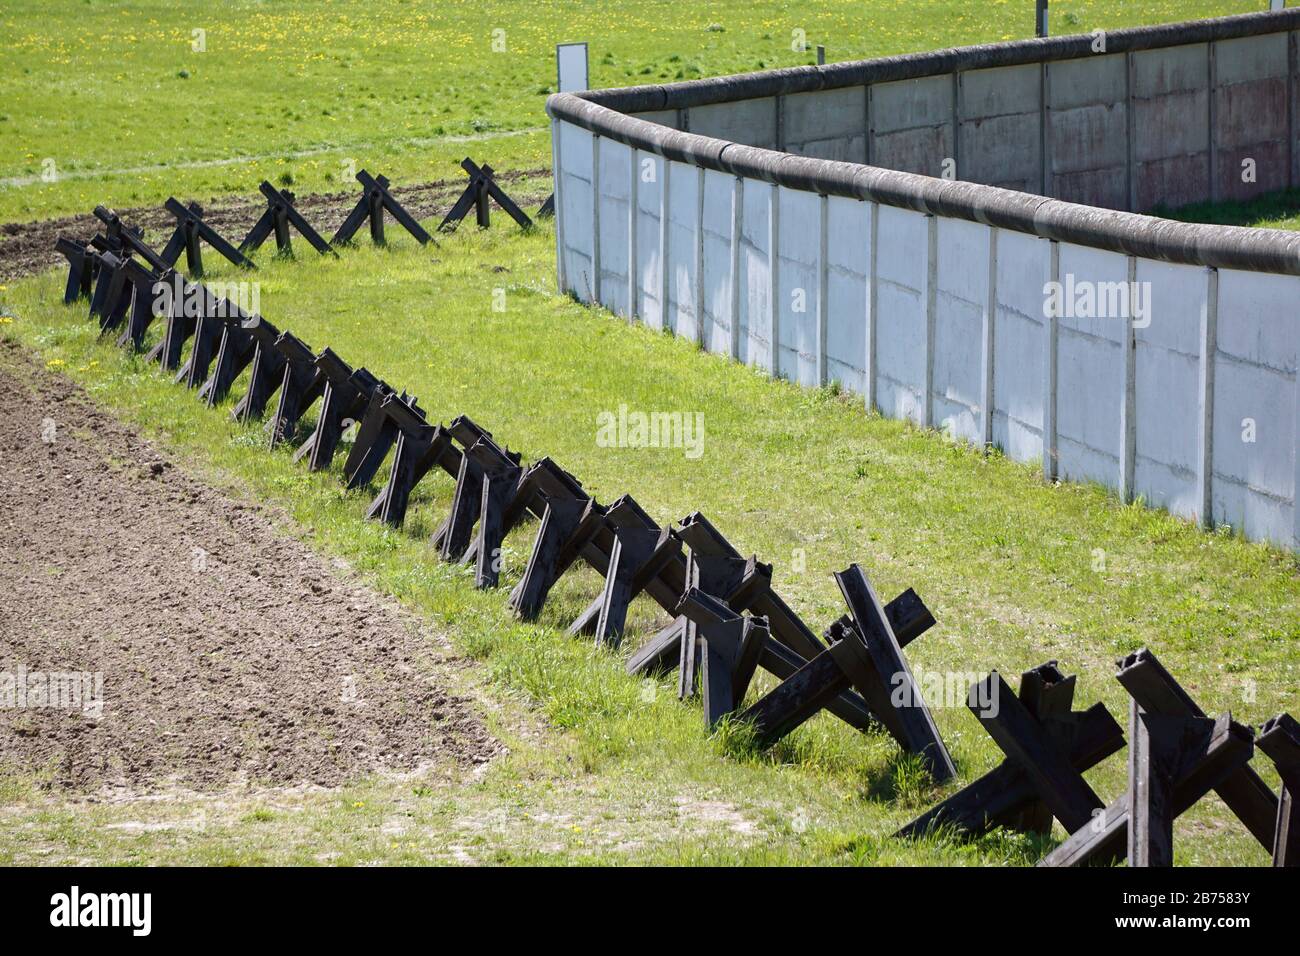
(1156, 357)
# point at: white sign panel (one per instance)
(571, 67)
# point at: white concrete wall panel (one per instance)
(827, 124)
(577, 204)
(683, 197)
(1166, 376)
(911, 124)
(615, 194)
(901, 269)
(662, 117)
(800, 218)
(756, 278)
(1171, 124)
(960, 302)
(718, 193)
(650, 266)
(1020, 343)
(1087, 136)
(1255, 404)
(1251, 121)
(848, 263)
(752, 122)
(1000, 140)
(1090, 362)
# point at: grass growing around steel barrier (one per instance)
(604, 766)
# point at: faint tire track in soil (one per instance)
(27, 248)
(268, 668)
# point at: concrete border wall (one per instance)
(1134, 131)
(929, 297)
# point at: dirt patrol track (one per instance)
(251, 660)
(28, 248)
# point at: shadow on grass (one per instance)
(997, 847)
(902, 779)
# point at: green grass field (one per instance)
(602, 767)
(114, 96)
(1016, 571)
(1279, 210)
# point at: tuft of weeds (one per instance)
(736, 739)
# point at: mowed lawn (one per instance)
(126, 103)
(601, 767)
(1016, 571)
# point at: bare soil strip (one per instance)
(28, 247)
(249, 661)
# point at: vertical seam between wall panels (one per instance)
(1128, 406)
(872, 302)
(987, 341)
(931, 304)
(774, 281)
(595, 218)
(1051, 329)
(557, 175)
(956, 124)
(866, 123)
(822, 286)
(737, 238)
(1212, 83)
(633, 266)
(1130, 124)
(1205, 420)
(699, 255)
(1044, 133)
(1295, 485)
(1291, 130)
(778, 105)
(869, 133)
(663, 244)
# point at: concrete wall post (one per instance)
(1205, 402)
